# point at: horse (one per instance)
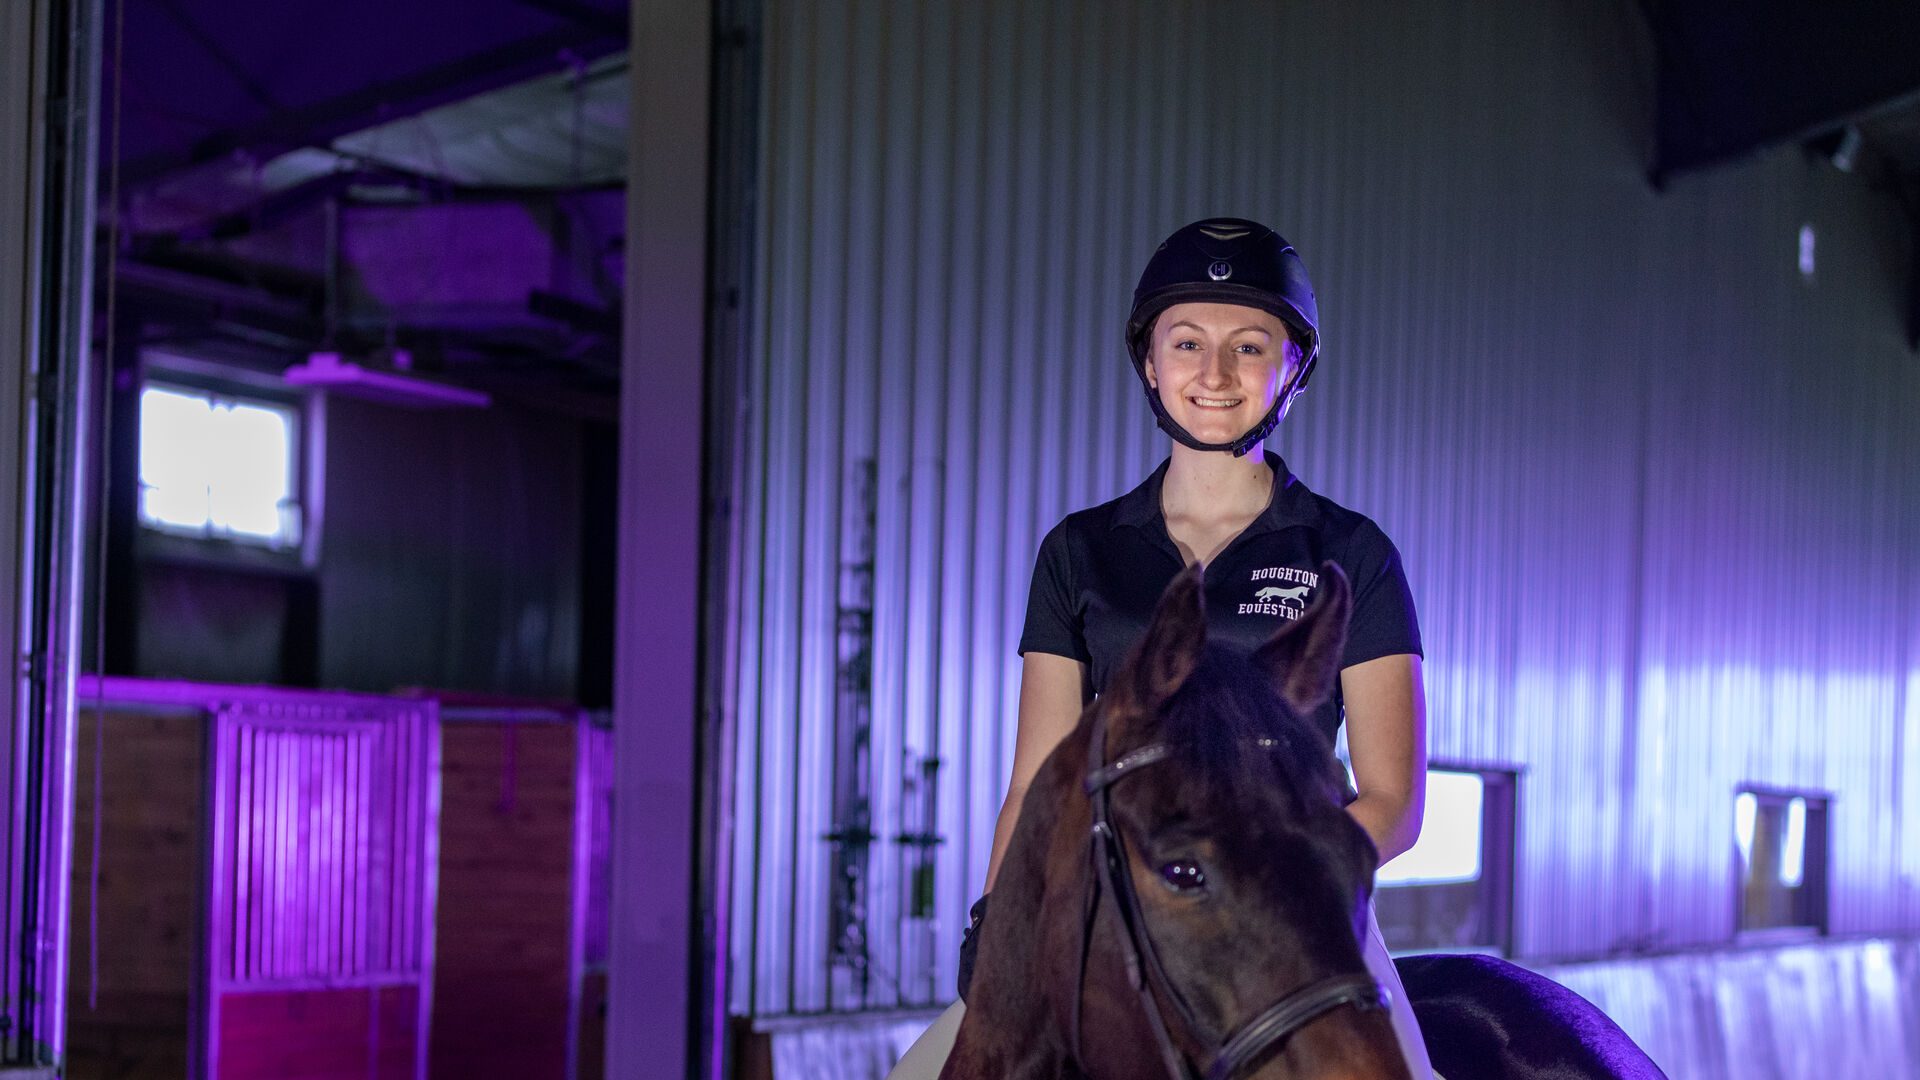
(1184, 894)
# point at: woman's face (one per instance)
(1219, 367)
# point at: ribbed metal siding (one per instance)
(1653, 489)
(1812, 1010)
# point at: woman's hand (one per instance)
(1387, 741)
(970, 945)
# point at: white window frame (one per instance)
(227, 382)
(1804, 861)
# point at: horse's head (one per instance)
(1250, 877)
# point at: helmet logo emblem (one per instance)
(1220, 271)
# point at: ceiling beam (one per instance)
(322, 122)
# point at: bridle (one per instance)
(1258, 1036)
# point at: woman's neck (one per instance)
(1212, 486)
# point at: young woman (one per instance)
(1224, 334)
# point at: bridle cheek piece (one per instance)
(1258, 1037)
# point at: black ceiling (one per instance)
(1738, 77)
(210, 88)
(205, 79)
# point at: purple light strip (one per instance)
(120, 690)
(327, 371)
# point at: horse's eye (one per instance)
(1183, 876)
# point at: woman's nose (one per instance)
(1220, 368)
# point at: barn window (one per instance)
(1454, 888)
(220, 467)
(1780, 853)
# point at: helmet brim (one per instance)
(1220, 292)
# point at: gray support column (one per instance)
(16, 142)
(49, 79)
(657, 632)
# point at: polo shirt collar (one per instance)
(1290, 503)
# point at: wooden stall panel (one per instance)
(591, 1064)
(504, 956)
(136, 922)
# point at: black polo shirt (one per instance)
(1101, 571)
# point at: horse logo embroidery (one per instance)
(1275, 594)
(1285, 600)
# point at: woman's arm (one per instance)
(1387, 740)
(1053, 691)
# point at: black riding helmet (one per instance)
(1227, 261)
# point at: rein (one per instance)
(1255, 1039)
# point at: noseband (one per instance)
(1254, 1039)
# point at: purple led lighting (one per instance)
(328, 371)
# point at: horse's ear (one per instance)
(1170, 650)
(1303, 659)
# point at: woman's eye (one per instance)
(1186, 345)
(1183, 875)
(1253, 350)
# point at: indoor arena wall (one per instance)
(1646, 453)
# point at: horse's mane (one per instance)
(1215, 723)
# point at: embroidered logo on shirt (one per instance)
(1274, 594)
(1287, 602)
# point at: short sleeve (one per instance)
(1053, 623)
(1384, 622)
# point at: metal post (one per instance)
(49, 85)
(17, 137)
(651, 1019)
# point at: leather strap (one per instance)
(1264, 1032)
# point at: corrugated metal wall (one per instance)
(1839, 1008)
(1652, 486)
(1848, 1008)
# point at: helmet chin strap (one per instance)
(1238, 447)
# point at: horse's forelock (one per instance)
(1232, 730)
